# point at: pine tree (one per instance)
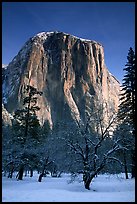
(26, 126)
(127, 105)
(127, 100)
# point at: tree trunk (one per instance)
(20, 173)
(87, 179)
(87, 184)
(133, 163)
(126, 172)
(31, 172)
(40, 177)
(43, 172)
(125, 165)
(11, 171)
(5, 172)
(95, 159)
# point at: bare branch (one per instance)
(73, 147)
(116, 159)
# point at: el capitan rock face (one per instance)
(70, 71)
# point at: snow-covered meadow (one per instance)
(104, 188)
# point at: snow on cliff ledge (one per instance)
(44, 35)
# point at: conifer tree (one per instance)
(27, 125)
(127, 100)
(127, 105)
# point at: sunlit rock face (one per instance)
(6, 117)
(69, 70)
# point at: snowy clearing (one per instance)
(104, 188)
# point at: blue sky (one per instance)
(110, 23)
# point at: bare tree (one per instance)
(124, 133)
(90, 146)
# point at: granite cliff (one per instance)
(69, 70)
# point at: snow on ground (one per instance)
(104, 188)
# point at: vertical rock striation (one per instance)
(69, 70)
